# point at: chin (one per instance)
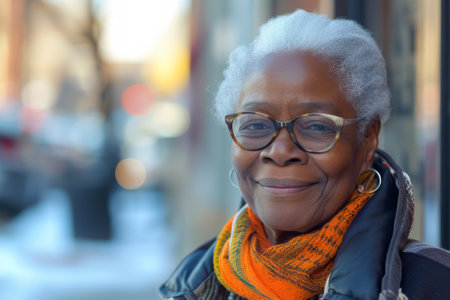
(284, 220)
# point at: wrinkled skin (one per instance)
(290, 190)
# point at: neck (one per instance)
(277, 237)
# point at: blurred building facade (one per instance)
(106, 106)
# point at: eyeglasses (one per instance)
(313, 132)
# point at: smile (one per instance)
(283, 186)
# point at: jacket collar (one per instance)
(191, 273)
(359, 264)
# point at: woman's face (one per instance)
(290, 190)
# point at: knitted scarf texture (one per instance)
(247, 264)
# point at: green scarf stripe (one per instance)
(240, 226)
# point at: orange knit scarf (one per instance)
(247, 264)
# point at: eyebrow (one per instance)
(257, 104)
(303, 105)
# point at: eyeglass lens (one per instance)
(312, 132)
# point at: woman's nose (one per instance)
(283, 150)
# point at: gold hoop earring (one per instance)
(230, 174)
(369, 182)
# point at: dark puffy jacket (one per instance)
(376, 260)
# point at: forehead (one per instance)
(294, 80)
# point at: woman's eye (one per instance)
(254, 126)
(319, 127)
(315, 124)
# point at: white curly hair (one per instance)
(353, 55)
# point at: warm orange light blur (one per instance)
(130, 173)
(137, 99)
(169, 67)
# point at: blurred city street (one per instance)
(112, 164)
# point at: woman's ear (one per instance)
(370, 143)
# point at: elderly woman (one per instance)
(326, 214)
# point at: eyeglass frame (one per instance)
(339, 121)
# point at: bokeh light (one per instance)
(168, 120)
(130, 173)
(133, 28)
(38, 94)
(32, 119)
(169, 67)
(137, 100)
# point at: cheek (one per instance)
(243, 162)
(242, 159)
(342, 168)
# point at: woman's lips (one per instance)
(283, 186)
